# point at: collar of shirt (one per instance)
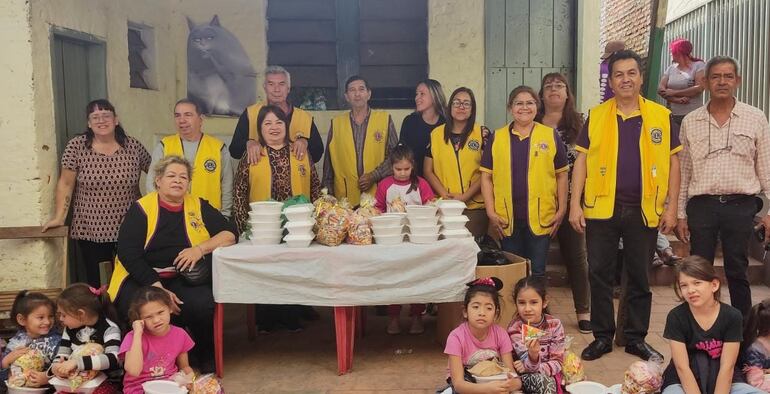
(702, 114)
(518, 134)
(625, 117)
(366, 119)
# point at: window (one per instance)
(323, 42)
(141, 56)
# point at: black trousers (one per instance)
(731, 222)
(602, 237)
(197, 311)
(93, 253)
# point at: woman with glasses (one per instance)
(524, 181)
(105, 164)
(429, 113)
(558, 112)
(453, 158)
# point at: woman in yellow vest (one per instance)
(524, 181)
(278, 178)
(454, 157)
(163, 234)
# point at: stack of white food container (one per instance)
(423, 223)
(388, 229)
(299, 224)
(452, 219)
(265, 220)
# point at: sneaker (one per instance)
(417, 327)
(584, 326)
(394, 328)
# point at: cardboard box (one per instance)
(450, 315)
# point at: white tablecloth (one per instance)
(344, 275)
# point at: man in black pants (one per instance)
(627, 167)
(725, 162)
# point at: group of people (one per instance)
(631, 169)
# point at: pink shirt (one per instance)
(461, 342)
(389, 189)
(160, 355)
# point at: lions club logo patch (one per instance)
(378, 136)
(210, 165)
(195, 222)
(474, 145)
(656, 135)
(302, 170)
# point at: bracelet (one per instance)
(200, 249)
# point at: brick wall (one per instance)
(629, 21)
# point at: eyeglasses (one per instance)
(554, 86)
(461, 104)
(521, 104)
(101, 118)
(727, 146)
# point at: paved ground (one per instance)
(305, 362)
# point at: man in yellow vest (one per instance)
(627, 168)
(358, 145)
(302, 130)
(212, 177)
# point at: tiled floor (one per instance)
(306, 362)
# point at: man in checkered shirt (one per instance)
(725, 163)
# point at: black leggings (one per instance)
(91, 254)
(197, 310)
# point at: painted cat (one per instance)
(220, 76)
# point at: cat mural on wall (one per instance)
(220, 76)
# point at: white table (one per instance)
(344, 277)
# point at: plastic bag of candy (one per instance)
(207, 384)
(643, 377)
(572, 368)
(360, 230)
(20, 369)
(79, 378)
(332, 220)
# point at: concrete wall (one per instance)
(456, 58)
(588, 53)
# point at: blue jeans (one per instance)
(525, 244)
(736, 388)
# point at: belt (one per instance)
(725, 198)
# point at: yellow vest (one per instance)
(207, 168)
(342, 153)
(602, 160)
(261, 178)
(300, 125)
(457, 170)
(196, 232)
(541, 178)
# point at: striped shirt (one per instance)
(105, 333)
(733, 158)
(551, 345)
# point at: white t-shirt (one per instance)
(683, 79)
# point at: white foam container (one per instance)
(298, 241)
(450, 207)
(427, 230)
(587, 387)
(388, 239)
(415, 221)
(63, 385)
(267, 239)
(26, 390)
(401, 215)
(264, 217)
(388, 230)
(456, 234)
(299, 227)
(266, 207)
(163, 387)
(385, 221)
(454, 222)
(421, 210)
(299, 212)
(272, 225)
(423, 238)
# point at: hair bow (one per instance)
(97, 292)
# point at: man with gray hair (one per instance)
(725, 163)
(302, 130)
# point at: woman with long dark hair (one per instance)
(105, 164)
(558, 112)
(453, 158)
(429, 113)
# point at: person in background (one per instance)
(358, 146)
(429, 113)
(558, 112)
(605, 90)
(102, 166)
(303, 133)
(212, 170)
(453, 159)
(725, 162)
(682, 84)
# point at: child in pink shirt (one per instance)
(154, 350)
(403, 185)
